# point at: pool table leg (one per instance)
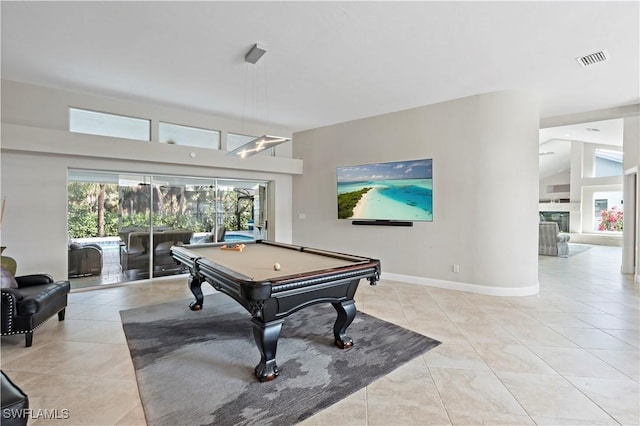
(266, 336)
(346, 313)
(195, 285)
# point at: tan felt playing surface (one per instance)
(257, 260)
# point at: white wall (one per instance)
(562, 178)
(583, 176)
(631, 257)
(631, 137)
(37, 151)
(37, 106)
(485, 192)
(583, 185)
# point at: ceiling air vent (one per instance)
(593, 58)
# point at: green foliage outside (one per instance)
(173, 207)
(347, 202)
(141, 220)
(83, 209)
(83, 223)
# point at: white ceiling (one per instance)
(556, 142)
(327, 62)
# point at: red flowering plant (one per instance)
(611, 220)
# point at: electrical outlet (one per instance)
(456, 267)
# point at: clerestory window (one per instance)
(105, 124)
(188, 136)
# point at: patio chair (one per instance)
(84, 260)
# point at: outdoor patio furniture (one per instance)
(219, 235)
(134, 255)
(84, 260)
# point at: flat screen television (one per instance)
(395, 191)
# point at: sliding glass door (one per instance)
(134, 226)
(127, 223)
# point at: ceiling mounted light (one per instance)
(255, 53)
(264, 142)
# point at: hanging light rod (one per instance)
(255, 53)
(257, 145)
(266, 141)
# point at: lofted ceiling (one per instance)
(326, 62)
(555, 142)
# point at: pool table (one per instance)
(305, 277)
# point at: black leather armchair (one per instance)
(15, 403)
(35, 300)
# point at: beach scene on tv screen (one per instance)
(400, 190)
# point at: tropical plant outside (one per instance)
(100, 210)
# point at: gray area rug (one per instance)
(196, 368)
(578, 248)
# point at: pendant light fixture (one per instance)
(265, 141)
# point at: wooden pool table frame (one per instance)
(270, 301)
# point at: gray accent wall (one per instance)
(485, 192)
(38, 150)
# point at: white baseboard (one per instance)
(471, 288)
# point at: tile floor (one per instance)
(569, 355)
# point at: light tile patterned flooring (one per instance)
(568, 355)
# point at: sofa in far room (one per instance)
(552, 242)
